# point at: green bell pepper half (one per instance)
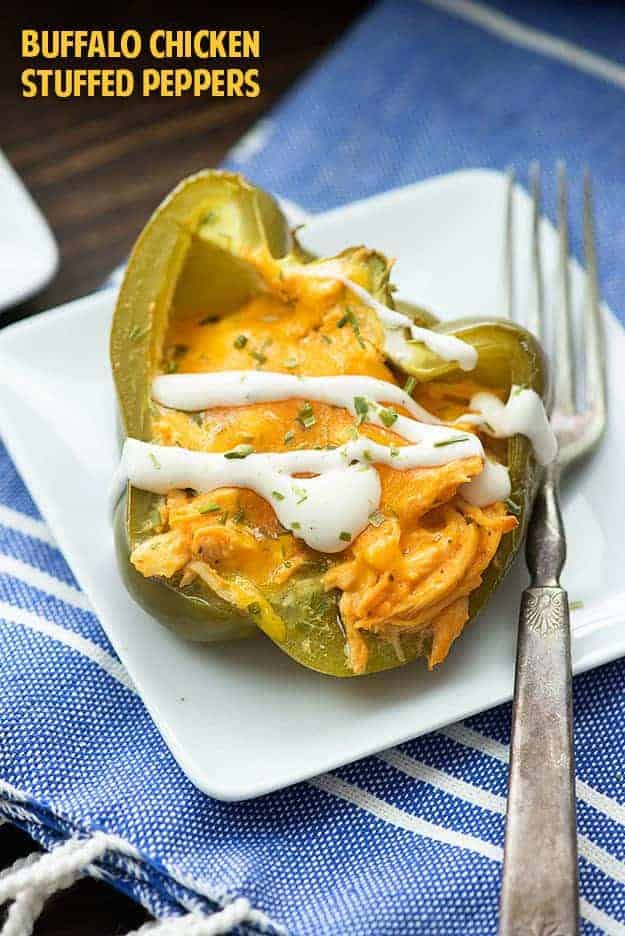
(190, 256)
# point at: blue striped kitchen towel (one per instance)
(410, 841)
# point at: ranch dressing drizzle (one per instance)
(327, 511)
(395, 323)
(193, 392)
(524, 413)
(491, 485)
(330, 509)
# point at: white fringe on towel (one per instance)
(31, 880)
(192, 924)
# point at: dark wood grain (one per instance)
(97, 168)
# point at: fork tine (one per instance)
(595, 375)
(536, 321)
(563, 319)
(509, 246)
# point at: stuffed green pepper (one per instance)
(302, 458)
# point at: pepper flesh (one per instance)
(193, 254)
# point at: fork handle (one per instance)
(539, 893)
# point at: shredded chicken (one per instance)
(412, 572)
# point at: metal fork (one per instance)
(539, 893)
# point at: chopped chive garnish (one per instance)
(209, 508)
(350, 318)
(239, 451)
(137, 332)
(488, 426)
(410, 384)
(362, 408)
(300, 493)
(305, 417)
(209, 320)
(239, 516)
(155, 460)
(259, 356)
(376, 518)
(277, 495)
(289, 436)
(388, 417)
(295, 525)
(253, 608)
(240, 341)
(345, 536)
(450, 441)
(575, 605)
(394, 451)
(512, 507)
(367, 455)
(327, 339)
(210, 218)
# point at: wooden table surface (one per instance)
(97, 168)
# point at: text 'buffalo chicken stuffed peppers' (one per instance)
(302, 458)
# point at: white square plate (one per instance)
(28, 252)
(241, 718)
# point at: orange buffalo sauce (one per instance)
(423, 554)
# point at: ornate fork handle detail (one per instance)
(539, 890)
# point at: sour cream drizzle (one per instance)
(396, 324)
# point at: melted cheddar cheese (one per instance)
(426, 548)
